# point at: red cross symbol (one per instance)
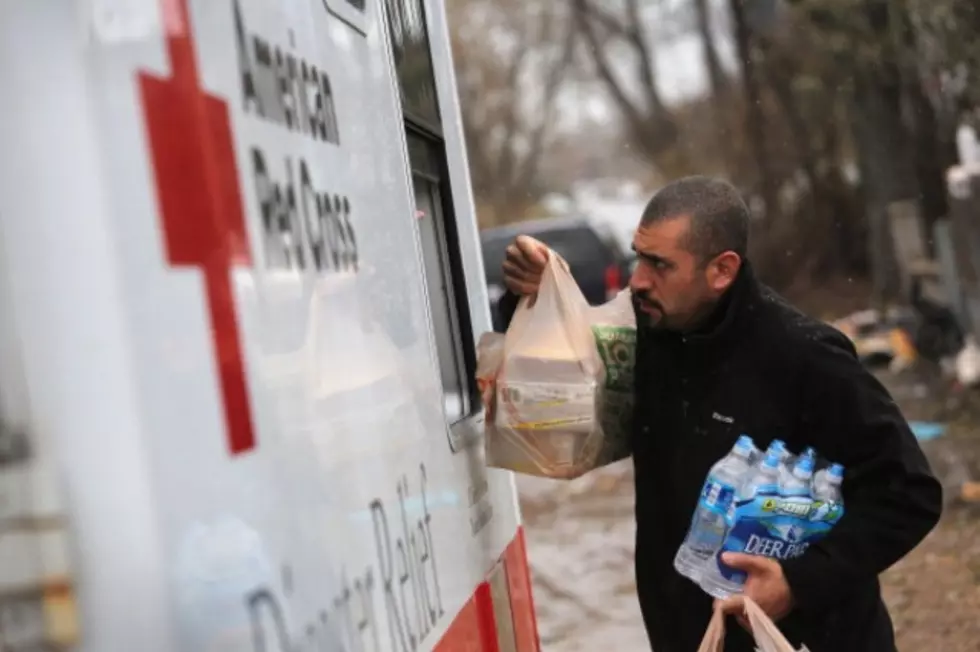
(200, 206)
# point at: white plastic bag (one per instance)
(767, 636)
(544, 418)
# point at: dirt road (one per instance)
(581, 533)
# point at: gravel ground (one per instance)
(581, 533)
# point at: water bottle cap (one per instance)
(804, 465)
(803, 468)
(835, 471)
(745, 444)
(771, 460)
(778, 447)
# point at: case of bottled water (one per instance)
(771, 503)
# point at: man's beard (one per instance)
(644, 320)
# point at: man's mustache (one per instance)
(643, 297)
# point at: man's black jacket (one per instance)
(762, 368)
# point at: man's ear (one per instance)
(723, 270)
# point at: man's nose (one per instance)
(641, 278)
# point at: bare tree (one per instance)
(709, 49)
(512, 59)
(865, 37)
(755, 118)
(806, 90)
(622, 53)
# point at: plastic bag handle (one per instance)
(555, 267)
(714, 636)
(767, 636)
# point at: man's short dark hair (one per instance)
(719, 215)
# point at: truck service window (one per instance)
(434, 211)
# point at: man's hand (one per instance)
(765, 584)
(524, 265)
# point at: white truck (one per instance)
(240, 286)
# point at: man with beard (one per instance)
(718, 355)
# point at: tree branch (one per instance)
(712, 61)
(652, 124)
(754, 116)
(644, 55)
(553, 81)
(510, 125)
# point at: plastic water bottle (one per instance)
(709, 524)
(827, 491)
(795, 480)
(777, 447)
(827, 484)
(765, 479)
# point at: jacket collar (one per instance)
(733, 308)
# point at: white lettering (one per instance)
(793, 508)
(284, 88)
(774, 548)
(722, 418)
